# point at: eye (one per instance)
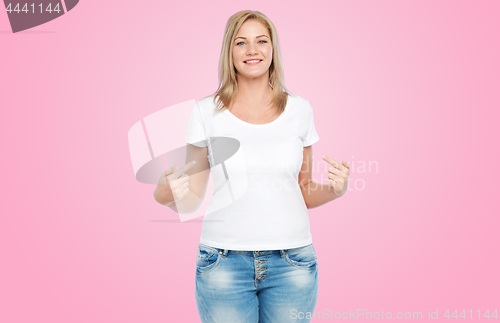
(259, 42)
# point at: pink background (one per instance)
(412, 86)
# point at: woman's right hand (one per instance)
(173, 185)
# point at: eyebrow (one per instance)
(255, 37)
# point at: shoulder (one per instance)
(299, 104)
(207, 99)
(207, 103)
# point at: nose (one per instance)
(251, 49)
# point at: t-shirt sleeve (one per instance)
(311, 135)
(195, 133)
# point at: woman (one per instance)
(255, 261)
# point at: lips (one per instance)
(255, 59)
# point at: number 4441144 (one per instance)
(25, 8)
(477, 315)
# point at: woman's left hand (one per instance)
(338, 175)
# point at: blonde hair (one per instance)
(228, 86)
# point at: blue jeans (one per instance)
(262, 286)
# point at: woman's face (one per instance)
(252, 42)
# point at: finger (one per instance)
(180, 181)
(180, 190)
(339, 182)
(346, 165)
(333, 162)
(183, 178)
(337, 172)
(169, 171)
(334, 184)
(183, 169)
(184, 193)
(333, 170)
(333, 176)
(337, 179)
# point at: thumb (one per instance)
(170, 170)
(345, 163)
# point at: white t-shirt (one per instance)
(257, 203)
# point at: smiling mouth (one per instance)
(252, 61)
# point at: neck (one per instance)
(255, 91)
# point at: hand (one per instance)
(173, 186)
(338, 175)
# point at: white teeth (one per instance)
(258, 60)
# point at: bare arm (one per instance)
(198, 182)
(314, 194)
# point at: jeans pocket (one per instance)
(302, 257)
(207, 259)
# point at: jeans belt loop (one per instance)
(282, 252)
